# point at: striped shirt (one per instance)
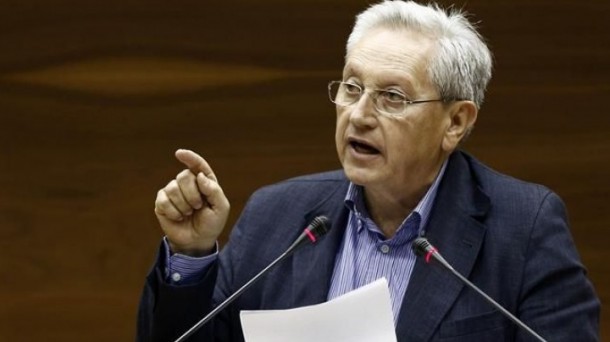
(366, 255)
(183, 269)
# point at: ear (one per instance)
(462, 116)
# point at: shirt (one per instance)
(366, 255)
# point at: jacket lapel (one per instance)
(313, 265)
(456, 231)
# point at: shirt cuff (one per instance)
(182, 269)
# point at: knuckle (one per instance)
(175, 215)
(164, 206)
(194, 200)
(184, 175)
(158, 211)
(172, 213)
(172, 189)
(214, 187)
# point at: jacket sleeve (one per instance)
(167, 311)
(557, 300)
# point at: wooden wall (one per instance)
(96, 95)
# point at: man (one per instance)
(413, 82)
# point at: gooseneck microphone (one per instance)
(318, 227)
(422, 247)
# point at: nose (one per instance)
(363, 113)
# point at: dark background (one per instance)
(95, 96)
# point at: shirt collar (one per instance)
(354, 201)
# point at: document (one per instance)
(362, 315)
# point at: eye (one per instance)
(393, 96)
(352, 89)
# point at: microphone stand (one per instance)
(422, 246)
(319, 226)
(229, 300)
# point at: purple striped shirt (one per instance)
(366, 255)
(182, 269)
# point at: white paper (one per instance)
(362, 315)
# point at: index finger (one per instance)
(195, 163)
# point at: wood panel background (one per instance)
(96, 95)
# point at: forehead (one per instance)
(390, 53)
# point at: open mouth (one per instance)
(363, 148)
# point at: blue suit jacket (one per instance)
(508, 237)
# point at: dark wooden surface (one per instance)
(95, 96)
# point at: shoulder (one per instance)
(301, 192)
(506, 204)
(501, 187)
(306, 184)
(280, 211)
(322, 177)
(517, 210)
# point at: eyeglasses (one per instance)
(386, 101)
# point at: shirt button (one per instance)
(176, 277)
(384, 249)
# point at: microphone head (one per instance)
(319, 226)
(421, 246)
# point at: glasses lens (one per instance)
(346, 94)
(389, 107)
(333, 88)
(343, 94)
(334, 91)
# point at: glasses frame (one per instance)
(374, 94)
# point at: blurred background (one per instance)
(95, 97)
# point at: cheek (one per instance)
(406, 142)
(399, 143)
(429, 129)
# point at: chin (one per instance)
(359, 176)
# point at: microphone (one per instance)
(316, 229)
(422, 247)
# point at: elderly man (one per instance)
(413, 82)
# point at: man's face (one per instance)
(380, 151)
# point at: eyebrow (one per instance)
(403, 82)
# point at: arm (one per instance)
(166, 310)
(557, 300)
(192, 211)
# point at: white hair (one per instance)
(461, 67)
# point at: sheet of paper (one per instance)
(362, 315)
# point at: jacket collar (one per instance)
(455, 229)
(314, 264)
